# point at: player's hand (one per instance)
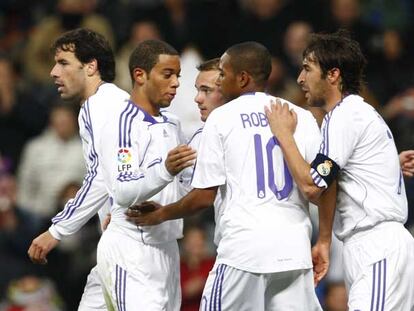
(41, 246)
(106, 221)
(320, 260)
(144, 214)
(282, 120)
(407, 163)
(180, 158)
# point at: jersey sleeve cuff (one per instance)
(317, 179)
(55, 233)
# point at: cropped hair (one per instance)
(146, 55)
(338, 50)
(208, 65)
(88, 45)
(252, 57)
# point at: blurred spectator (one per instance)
(336, 297)
(265, 21)
(141, 30)
(281, 84)
(347, 14)
(70, 14)
(49, 162)
(31, 293)
(195, 266)
(392, 72)
(22, 115)
(294, 44)
(387, 14)
(17, 228)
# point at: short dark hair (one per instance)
(88, 45)
(208, 65)
(146, 54)
(338, 50)
(252, 57)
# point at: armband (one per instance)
(326, 168)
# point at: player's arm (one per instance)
(136, 167)
(283, 122)
(77, 211)
(194, 201)
(320, 251)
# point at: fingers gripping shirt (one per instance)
(264, 212)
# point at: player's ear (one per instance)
(334, 75)
(243, 79)
(92, 67)
(139, 76)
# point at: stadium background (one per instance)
(35, 138)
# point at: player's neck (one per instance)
(143, 103)
(92, 87)
(331, 100)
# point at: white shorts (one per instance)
(379, 268)
(228, 288)
(92, 298)
(137, 276)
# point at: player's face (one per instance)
(208, 95)
(162, 82)
(69, 75)
(311, 81)
(227, 80)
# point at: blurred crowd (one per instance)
(41, 159)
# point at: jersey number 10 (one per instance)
(260, 172)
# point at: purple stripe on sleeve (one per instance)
(384, 283)
(373, 287)
(92, 172)
(130, 126)
(379, 285)
(124, 125)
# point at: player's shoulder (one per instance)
(109, 93)
(170, 117)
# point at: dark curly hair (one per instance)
(338, 50)
(88, 45)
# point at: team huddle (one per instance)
(258, 161)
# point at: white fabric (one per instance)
(265, 225)
(93, 194)
(92, 297)
(133, 150)
(186, 177)
(379, 268)
(146, 278)
(371, 189)
(230, 289)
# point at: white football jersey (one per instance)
(371, 187)
(186, 177)
(93, 196)
(265, 225)
(134, 147)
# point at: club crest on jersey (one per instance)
(324, 168)
(124, 157)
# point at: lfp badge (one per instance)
(124, 157)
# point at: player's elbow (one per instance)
(311, 193)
